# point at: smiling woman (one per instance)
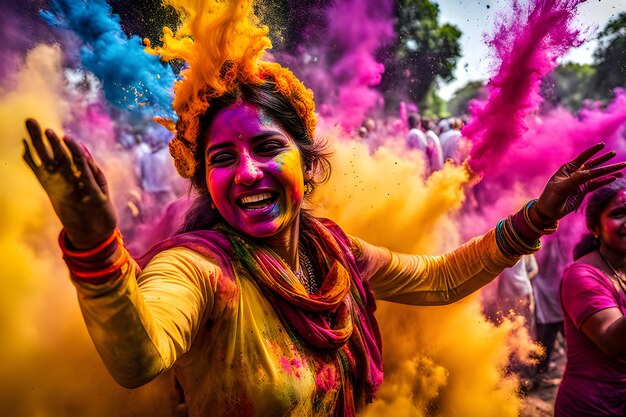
(273, 133)
(261, 308)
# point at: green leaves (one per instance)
(423, 54)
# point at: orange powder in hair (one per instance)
(212, 32)
(223, 43)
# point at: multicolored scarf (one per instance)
(339, 317)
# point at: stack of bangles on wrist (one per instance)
(99, 264)
(518, 235)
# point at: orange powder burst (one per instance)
(221, 41)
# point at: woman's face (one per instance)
(254, 171)
(612, 227)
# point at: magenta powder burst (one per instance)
(527, 44)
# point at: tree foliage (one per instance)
(470, 91)
(423, 54)
(610, 57)
(569, 85)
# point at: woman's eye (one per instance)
(221, 159)
(270, 147)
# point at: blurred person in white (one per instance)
(434, 152)
(453, 146)
(416, 139)
(515, 292)
(369, 136)
(552, 259)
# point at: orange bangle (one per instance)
(114, 267)
(116, 235)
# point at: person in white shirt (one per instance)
(452, 143)
(434, 152)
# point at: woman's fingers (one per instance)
(97, 172)
(84, 177)
(67, 158)
(61, 156)
(599, 160)
(590, 174)
(585, 155)
(38, 143)
(28, 158)
(58, 159)
(600, 182)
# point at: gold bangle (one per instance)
(518, 236)
(534, 228)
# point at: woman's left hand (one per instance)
(567, 188)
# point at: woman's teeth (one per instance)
(257, 201)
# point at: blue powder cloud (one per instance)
(131, 79)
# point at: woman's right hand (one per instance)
(75, 185)
(567, 188)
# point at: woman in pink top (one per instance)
(593, 296)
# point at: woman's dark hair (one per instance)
(315, 154)
(596, 204)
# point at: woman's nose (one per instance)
(248, 171)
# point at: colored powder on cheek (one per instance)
(289, 167)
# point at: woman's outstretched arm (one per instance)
(433, 280)
(139, 321)
(75, 185)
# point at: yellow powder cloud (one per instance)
(448, 360)
(48, 364)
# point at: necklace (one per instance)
(306, 273)
(617, 276)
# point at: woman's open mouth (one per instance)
(257, 201)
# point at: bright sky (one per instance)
(475, 18)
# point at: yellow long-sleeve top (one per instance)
(231, 352)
